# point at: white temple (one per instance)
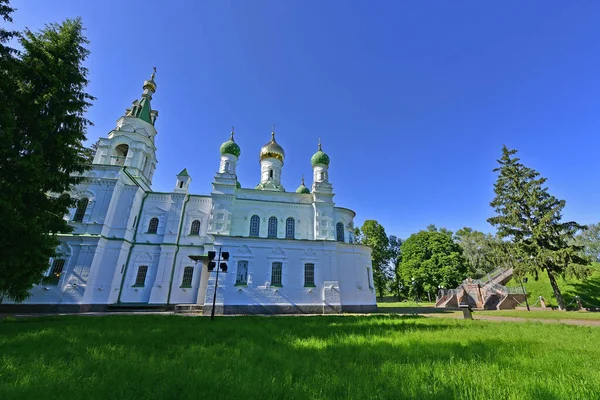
(290, 252)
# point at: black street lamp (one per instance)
(523, 289)
(219, 265)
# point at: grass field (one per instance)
(588, 290)
(543, 314)
(330, 357)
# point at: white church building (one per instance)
(290, 252)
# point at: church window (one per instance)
(55, 272)
(272, 232)
(241, 277)
(270, 174)
(276, 274)
(290, 228)
(180, 184)
(339, 228)
(309, 275)
(195, 230)
(369, 278)
(322, 175)
(119, 154)
(153, 225)
(140, 278)
(188, 273)
(81, 207)
(254, 225)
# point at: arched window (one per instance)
(119, 154)
(81, 207)
(254, 225)
(272, 232)
(241, 277)
(323, 175)
(195, 230)
(276, 271)
(290, 228)
(339, 229)
(153, 225)
(270, 174)
(188, 274)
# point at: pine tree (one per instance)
(531, 220)
(42, 130)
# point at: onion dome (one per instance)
(150, 84)
(231, 147)
(319, 157)
(302, 189)
(272, 150)
(238, 184)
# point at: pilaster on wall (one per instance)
(332, 303)
(210, 292)
(160, 287)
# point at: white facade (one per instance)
(289, 251)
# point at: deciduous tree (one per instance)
(373, 234)
(431, 259)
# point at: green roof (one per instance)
(303, 189)
(230, 147)
(144, 110)
(319, 158)
(183, 173)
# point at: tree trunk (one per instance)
(555, 288)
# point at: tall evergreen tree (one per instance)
(531, 218)
(372, 234)
(42, 130)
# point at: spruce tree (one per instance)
(42, 130)
(530, 220)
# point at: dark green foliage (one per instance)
(395, 254)
(372, 234)
(431, 259)
(530, 219)
(479, 249)
(42, 129)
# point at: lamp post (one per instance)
(219, 265)
(523, 289)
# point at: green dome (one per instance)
(230, 147)
(303, 189)
(238, 184)
(319, 158)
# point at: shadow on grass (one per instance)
(378, 356)
(414, 310)
(588, 291)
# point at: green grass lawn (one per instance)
(328, 357)
(588, 290)
(543, 314)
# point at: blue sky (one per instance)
(412, 100)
